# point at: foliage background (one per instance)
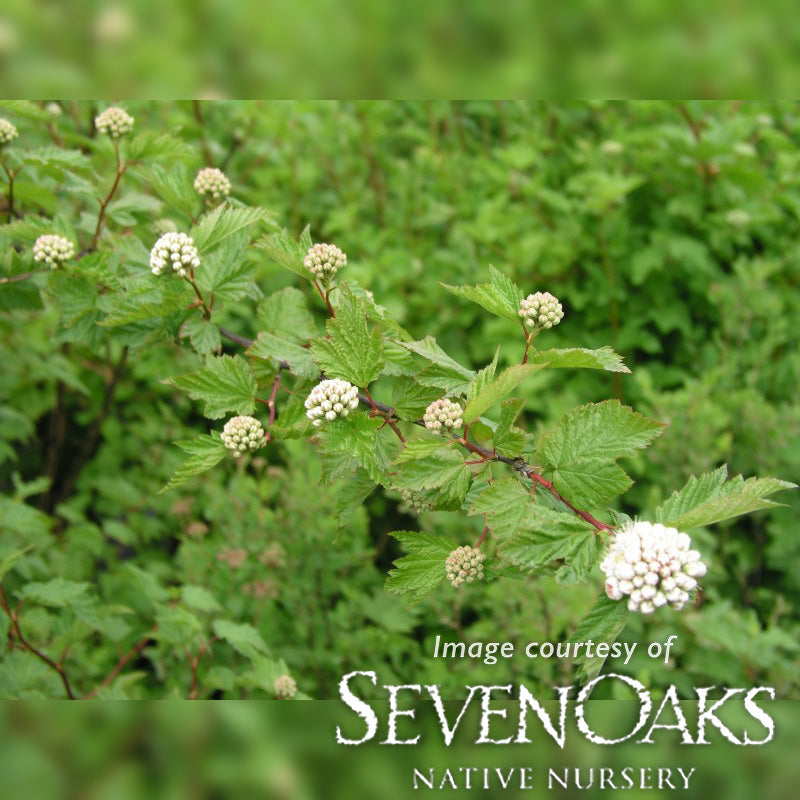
(668, 230)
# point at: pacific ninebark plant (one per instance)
(385, 408)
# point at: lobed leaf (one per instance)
(417, 574)
(205, 452)
(603, 358)
(500, 297)
(602, 431)
(226, 384)
(709, 499)
(352, 350)
(490, 394)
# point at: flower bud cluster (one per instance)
(8, 132)
(541, 310)
(175, 250)
(323, 261)
(212, 183)
(53, 250)
(114, 122)
(330, 399)
(464, 565)
(414, 502)
(653, 566)
(242, 435)
(285, 687)
(443, 414)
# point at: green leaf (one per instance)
(298, 358)
(76, 296)
(57, 157)
(285, 314)
(603, 431)
(505, 504)
(352, 351)
(500, 297)
(410, 399)
(351, 495)
(445, 466)
(244, 638)
(604, 623)
(491, 394)
(227, 273)
(203, 334)
(56, 593)
(205, 452)
(483, 378)
(287, 252)
(604, 358)
(355, 440)
(20, 295)
(163, 146)
(548, 538)
(222, 222)
(420, 572)
(7, 562)
(199, 599)
(173, 186)
(415, 449)
(177, 626)
(148, 299)
(430, 351)
(709, 499)
(508, 440)
(225, 384)
(590, 483)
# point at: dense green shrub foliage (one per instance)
(134, 568)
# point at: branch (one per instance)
(12, 615)
(121, 167)
(517, 464)
(119, 666)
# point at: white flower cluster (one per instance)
(114, 122)
(464, 565)
(330, 399)
(285, 687)
(53, 249)
(8, 132)
(323, 261)
(175, 250)
(652, 565)
(414, 502)
(242, 435)
(541, 310)
(443, 413)
(212, 183)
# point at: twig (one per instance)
(120, 665)
(23, 276)
(206, 309)
(326, 300)
(59, 668)
(195, 662)
(518, 464)
(121, 167)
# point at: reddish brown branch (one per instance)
(26, 645)
(120, 665)
(518, 464)
(121, 167)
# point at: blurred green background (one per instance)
(194, 751)
(668, 230)
(209, 48)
